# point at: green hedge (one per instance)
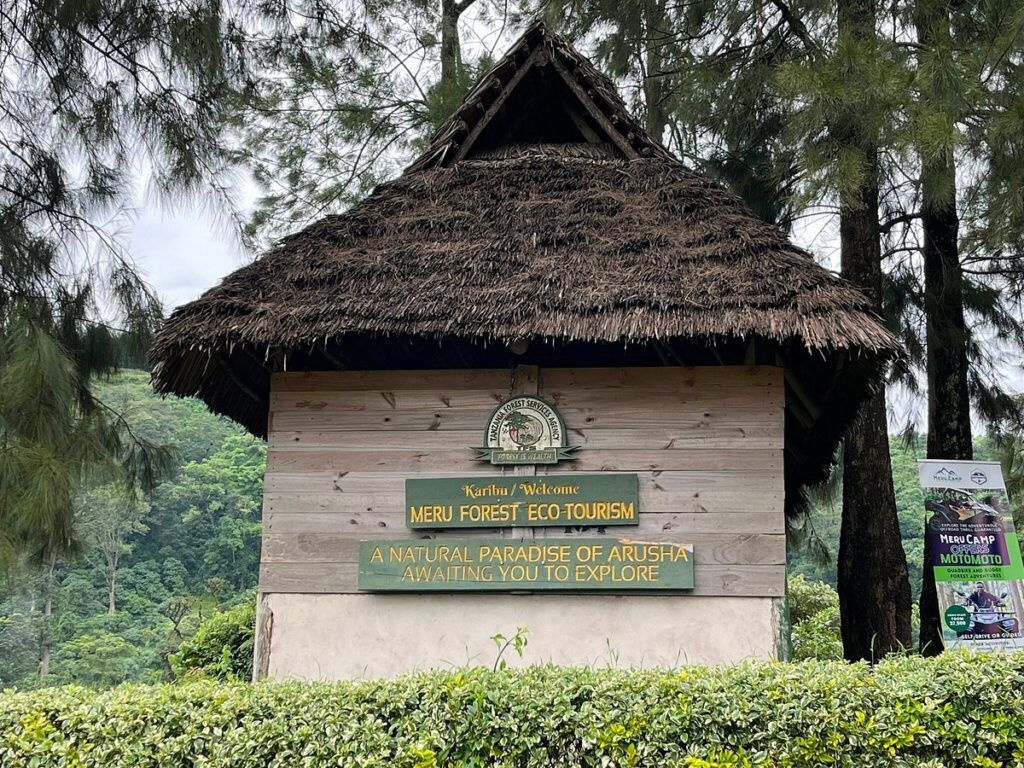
(958, 710)
(221, 648)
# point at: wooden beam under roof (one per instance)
(595, 112)
(536, 57)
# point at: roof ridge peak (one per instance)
(601, 112)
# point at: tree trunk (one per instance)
(949, 409)
(111, 602)
(111, 579)
(451, 50)
(874, 587)
(44, 634)
(656, 35)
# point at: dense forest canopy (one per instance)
(193, 551)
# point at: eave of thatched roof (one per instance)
(588, 238)
(559, 242)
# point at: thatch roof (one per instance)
(541, 211)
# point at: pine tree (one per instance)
(874, 588)
(949, 413)
(990, 37)
(344, 98)
(88, 91)
(961, 80)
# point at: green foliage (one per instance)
(825, 516)
(221, 648)
(100, 659)
(19, 635)
(173, 557)
(517, 643)
(89, 92)
(351, 92)
(818, 637)
(217, 502)
(814, 615)
(109, 517)
(809, 598)
(56, 438)
(959, 709)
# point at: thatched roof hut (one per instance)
(541, 225)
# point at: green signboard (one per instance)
(979, 572)
(420, 565)
(496, 502)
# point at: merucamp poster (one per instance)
(979, 574)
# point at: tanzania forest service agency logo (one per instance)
(525, 430)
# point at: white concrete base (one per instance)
(330, 637)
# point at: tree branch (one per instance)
(795, 24)
(904, 218)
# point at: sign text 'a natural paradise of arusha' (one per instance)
(533, 564)
(495, 502)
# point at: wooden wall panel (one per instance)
(730, 430)
(705, 442)
(459, 459)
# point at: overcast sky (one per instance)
(182, 253)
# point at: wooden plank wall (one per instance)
(706, 443)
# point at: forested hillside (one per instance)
(149, 569)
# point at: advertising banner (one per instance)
(979, 574)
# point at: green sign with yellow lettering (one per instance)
(418, 565)
(496, 502)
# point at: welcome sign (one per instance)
(503, 564)
(495, 502)
(979, 573)
(523, 430)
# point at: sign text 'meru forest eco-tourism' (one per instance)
(523, 430)
(495, 502)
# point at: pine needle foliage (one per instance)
(55, 439)
(702, 75)
(347, 93)
(90, 92)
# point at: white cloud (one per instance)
(182, 253)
